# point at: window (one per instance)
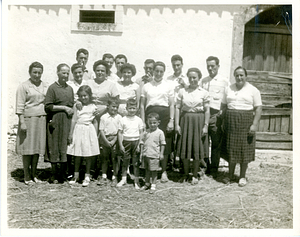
(97, 18)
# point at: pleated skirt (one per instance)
(34, 140)
(237, 145)
(191, 143)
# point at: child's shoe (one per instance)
(114, 183)
(73, 180)
(194, 181)
(242, 182)
(102, 181)
(164, 178)
(145, 187)
(86, 182)
(36, 180)
(29, 182)
(152, 189)
(137, 186)
(121, 183)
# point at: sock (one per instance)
(113, 177)
(104, 176)
(153, 186)
(76, 175)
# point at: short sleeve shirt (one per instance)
(244, 99)
(131, 126)
(157, 93)
(75, 86)
(192, 100)
(110, 124)
(102, 91)
(152, 142)
(128, 91)
(216, 87)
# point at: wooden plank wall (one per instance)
(276, 124)
(268, 48)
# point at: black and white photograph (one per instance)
(150, 119)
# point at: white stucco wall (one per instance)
(43, 33)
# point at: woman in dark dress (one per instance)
(59, 103)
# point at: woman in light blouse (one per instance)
(102, 88)
(158, 96)
(242, 105)
(191, 124)
(31, 137)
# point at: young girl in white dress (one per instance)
(83, 134)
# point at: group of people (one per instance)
(105, 118)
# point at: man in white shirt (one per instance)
(120, 60)
(82, 56)
(177, 79)
(109, 58)
(148, 68)
(215, 84)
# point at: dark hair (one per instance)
(131, 102)
(177, 57)
(158, 63)
(62, 65)
(148, 61)
(128, 66)
(213, 58)
(86, 89)
(101, 62)
(107, 55)
(37, 65)
(194, 69)
(121, 56)
(84, 51)
(153, 115)
(113, 100)
(77, 65)
(240, 67)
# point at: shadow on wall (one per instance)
(47, 8)
(219, 9)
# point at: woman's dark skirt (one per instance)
(57, 137)
(237, 145)
(164, 116)
(191, 143)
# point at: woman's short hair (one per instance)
(37, 65)
(130, 67)
(240, 67)
(159, 63)
(62, 65)
(101, 62)
(77, 65)
(86, 89)
(196, 70)
(153, 116)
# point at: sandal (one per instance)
(242, 182)
(194, 181)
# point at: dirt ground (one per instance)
(265, 202)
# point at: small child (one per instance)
(82, 138)
(153, 150)
(129, 137)
(109, 125)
